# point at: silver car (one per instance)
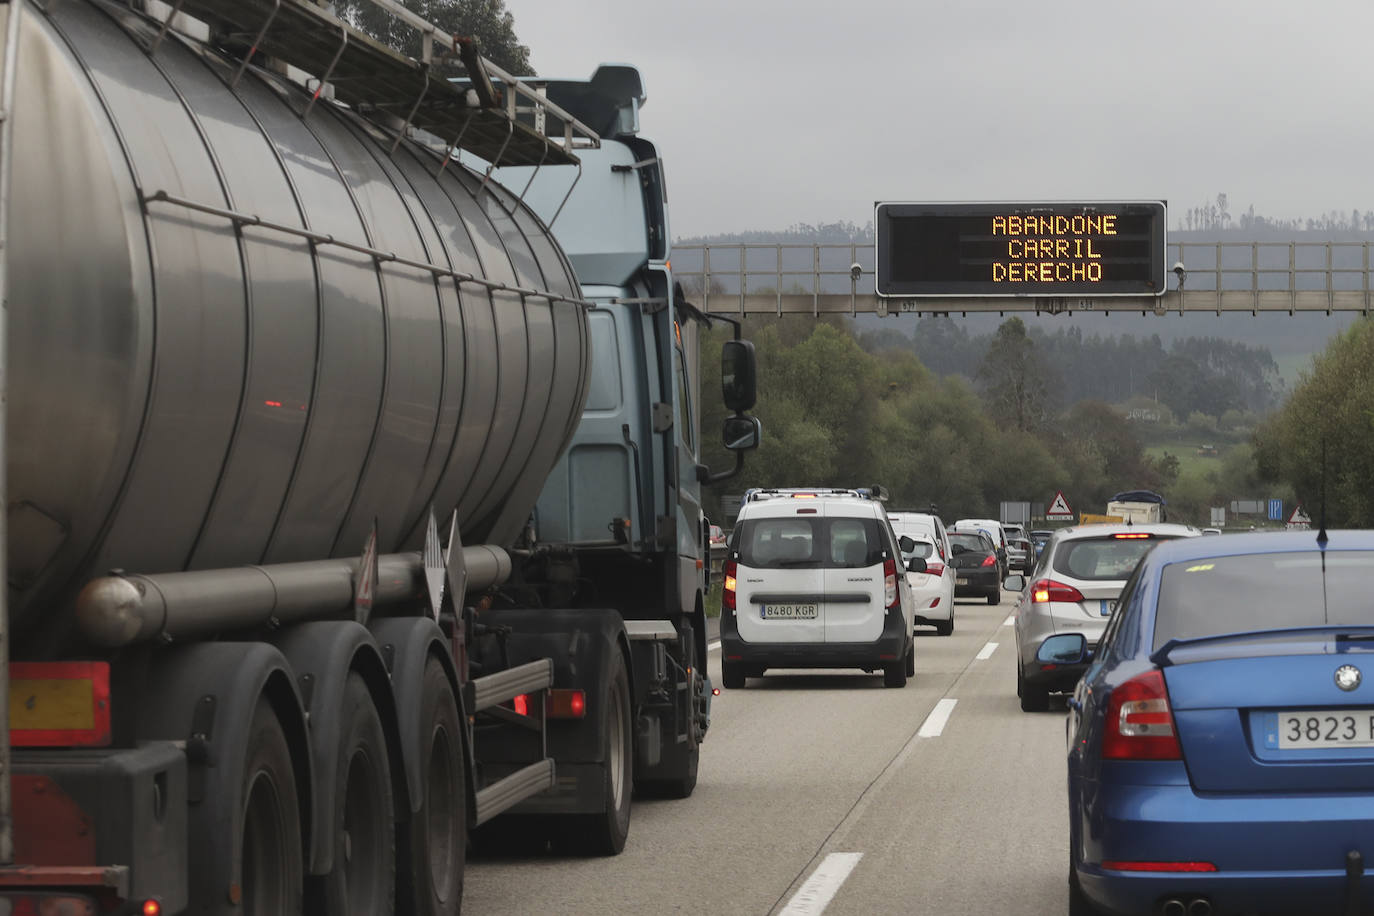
(1073, 589)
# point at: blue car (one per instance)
(1221, 740)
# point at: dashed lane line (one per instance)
(815, 895)
(985, 653)
(713, 646)
(938, 718)
(1011, 619)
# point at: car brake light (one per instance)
(1131, 536)
(727, 588)
(1049, 590)
(935, 569)
(989, 560)
(890, 582)
(1139, 724)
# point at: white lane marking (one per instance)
(815, 895)
(985, 653)
(713, 646)
(1010, 621)
(935, 722)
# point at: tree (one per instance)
(1014, 378)
(487, 22)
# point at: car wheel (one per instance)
(732, 675)
(1078, 903)
(945, 627)
(911, 659)
(995, 598)
(1033, 699)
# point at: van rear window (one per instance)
(809, 543)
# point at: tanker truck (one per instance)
(353, 503)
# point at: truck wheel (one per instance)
(732, 675)
(363, 880)
(272, 876)
(435, 839)
(606, 832)
(679, 761)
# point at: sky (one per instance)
(771, 113)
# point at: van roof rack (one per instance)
(756, 494)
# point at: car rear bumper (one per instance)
(1273, 854)
(981, 581)
(885, 650)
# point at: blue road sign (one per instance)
(1275, 510)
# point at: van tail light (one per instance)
(989, 560)
(934, 569)
(890, 583)
(1045, 590)
(727, 588)
(1140, 724)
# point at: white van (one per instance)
(814, 579)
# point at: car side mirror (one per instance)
(906, 543)
(739, 434)
(737, 374)
(916, 565)
(1014, 583)
(1064, 649)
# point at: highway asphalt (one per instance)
(826, 792)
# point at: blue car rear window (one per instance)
(1220, 595)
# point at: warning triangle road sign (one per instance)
(1299, 518)
(1059, 508)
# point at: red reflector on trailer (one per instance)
(522, 704)
(567, 703)
(60, 704)
(1116, 865)
(49, 905)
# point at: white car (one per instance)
(815, 579)
(933, 590)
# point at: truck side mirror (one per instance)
(737, 375)
(740, 434)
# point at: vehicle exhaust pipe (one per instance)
(1200, 906)
(1172, 907)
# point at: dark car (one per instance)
(1040, 537)
(977, 573)
(1221, 741)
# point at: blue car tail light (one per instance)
(1139, 723)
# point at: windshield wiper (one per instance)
(1347, 632)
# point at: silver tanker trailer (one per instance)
(274, 356)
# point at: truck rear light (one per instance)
(567, 703)
(1140, 724)
(890, 583)
(1118, 865)
(60, 704)
(50, 905)
(152, 908)
(521, 704)
(989, 560)
(1046, 590)
(727, 588)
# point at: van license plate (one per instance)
(1306, 728)
(788, 611)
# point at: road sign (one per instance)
(1299, 518)
(1059, 510)
(1275, 510)
(1108, 248)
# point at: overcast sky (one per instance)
(774, 112)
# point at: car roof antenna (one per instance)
(1321, 522)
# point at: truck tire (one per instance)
(678, 770)
(363, 880)
(272, 875)
(435, 839)
(732, 675)
(605, 833)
